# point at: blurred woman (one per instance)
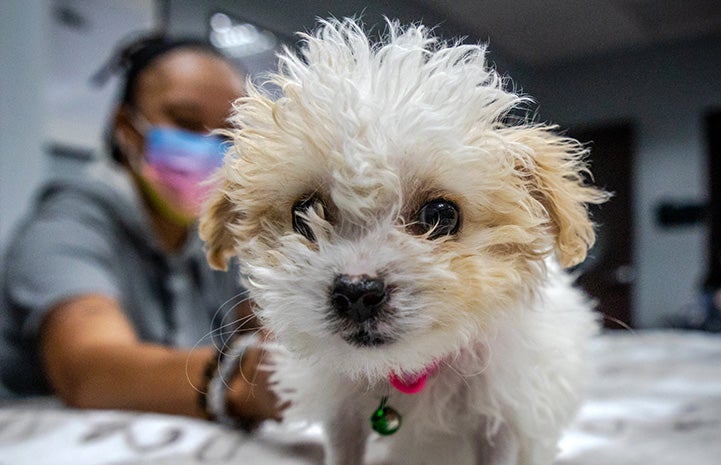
(107, 297)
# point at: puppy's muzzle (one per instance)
(358, 298)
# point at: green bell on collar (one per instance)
(385, 420)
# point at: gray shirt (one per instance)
(91, 235)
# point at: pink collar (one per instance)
(413, 383)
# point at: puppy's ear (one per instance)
(216, 220)
(560, 182)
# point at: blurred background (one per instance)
(638, 79)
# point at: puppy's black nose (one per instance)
(357, 297)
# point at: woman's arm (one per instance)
(93, 359)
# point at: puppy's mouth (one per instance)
(374, 332)
(366, 338)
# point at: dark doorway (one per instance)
(713, 136)
(609, 273)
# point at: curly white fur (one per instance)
(373, 132)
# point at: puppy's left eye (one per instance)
(302, 207)
(437, 218)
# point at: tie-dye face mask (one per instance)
(177, 163)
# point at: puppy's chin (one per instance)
(371, 354)
(378, 332)
(366, 338)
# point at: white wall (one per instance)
(665, 93)
(78, 109)
(45, 92)
(23, 24)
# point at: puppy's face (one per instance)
(381, 210)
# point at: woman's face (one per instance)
(188, 89)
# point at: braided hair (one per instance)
(130, 59)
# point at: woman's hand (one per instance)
(249, 395)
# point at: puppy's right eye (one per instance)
(300, 209)
(437, 218)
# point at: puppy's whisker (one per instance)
(259, 365)
(460, 375)
(620, 323)
(235, 330)
(221, 335)
(233, 302)
(466, 376)
(483, 369)
(250, 382)
(225, 308)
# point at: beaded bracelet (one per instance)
(219, 371)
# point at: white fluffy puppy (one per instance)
(401, 238)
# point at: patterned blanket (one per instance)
(657, 400)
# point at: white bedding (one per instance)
(656, 401)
